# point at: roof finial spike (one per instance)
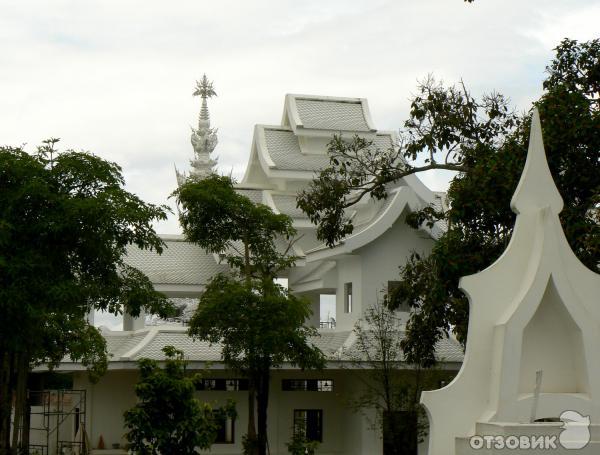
(204, 138)
(536, 189)
(205, 90)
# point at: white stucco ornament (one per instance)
(204, 138)
(536, 309)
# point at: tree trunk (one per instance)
(20, 400)
(252, 443)
(6, 394)
(263, 404)
(251, 446)
(400, 433)
(3, 401)
(26, 424)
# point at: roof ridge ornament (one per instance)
(204, 138)
(536, 189)
(205, 90)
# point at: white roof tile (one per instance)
(255, 195)
(284, 150)
(180, 263)
(287, 204)
(447, 350)
(119, 343)
(193, 350)
(331, 342)
(148, 343)
(331, 114)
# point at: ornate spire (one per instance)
(536, 189)
(204, 89)
(204, 138)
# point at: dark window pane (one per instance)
(348, 297)
(225, 429)
(221, 384)
(309, 423)
(310, 385)
(242, 384)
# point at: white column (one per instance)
(134, 323)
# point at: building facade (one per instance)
(348, 278)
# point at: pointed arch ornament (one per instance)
(537, 308)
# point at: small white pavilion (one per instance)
(530, 379)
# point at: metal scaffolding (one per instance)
(58, 422)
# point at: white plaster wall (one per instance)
(307, 239)
(344, 432)
(313, 145)
(332, 403)
(349, 270)
(382, 258)
(107, 400)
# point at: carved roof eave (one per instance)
(404, 198)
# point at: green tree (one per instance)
(299, 445)
(389, 386)
(259, 324)
(65, 222)
(485, 142)
(168, 419)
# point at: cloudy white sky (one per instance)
(116, 77)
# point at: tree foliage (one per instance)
(258, 327)
(486, 143)
(389, 386)
(259, 324)
(447, 129)
(168, 419)
(222, 221)
(299, 445)
(65, 222)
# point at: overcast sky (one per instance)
(116, 77)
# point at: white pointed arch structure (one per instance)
(537, 308)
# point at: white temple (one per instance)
(283, 160)
(531, 369)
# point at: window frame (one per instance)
(222, 385)
(305, 427)
(307, 385)
(222, 430)
(348, 297)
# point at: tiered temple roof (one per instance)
(284, 159)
